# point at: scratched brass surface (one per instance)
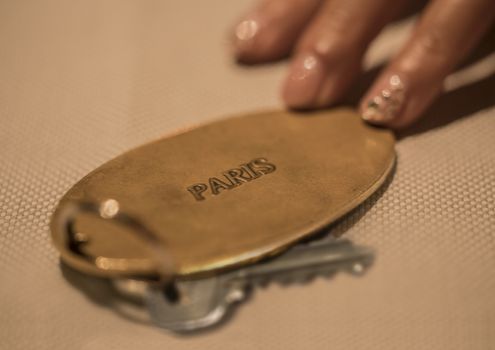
(233, 191)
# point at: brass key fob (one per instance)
(220, 195)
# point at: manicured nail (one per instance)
(306, 74)
(245, 34)
(386, 105)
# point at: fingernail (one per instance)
(303, 82)
(245, 34)
(387, 104)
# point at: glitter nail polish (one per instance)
(387, 104)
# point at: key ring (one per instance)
(110, 210)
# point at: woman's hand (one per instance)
(328, 39)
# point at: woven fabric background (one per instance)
(83, 81)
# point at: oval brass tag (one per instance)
(230, 192)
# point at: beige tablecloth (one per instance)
(82, 81)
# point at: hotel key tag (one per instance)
(218, 199)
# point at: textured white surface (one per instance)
(83, 81)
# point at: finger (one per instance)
(443, 37)
(330, 51)
(269, 32)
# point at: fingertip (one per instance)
(302, 84)
(245, 37)
(384, 104)
(270, 31)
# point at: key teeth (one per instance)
(329, 275)
(286, 280)
(265, 282)
(302, 278)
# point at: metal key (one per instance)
(206, 302)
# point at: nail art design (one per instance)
(387, 104)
